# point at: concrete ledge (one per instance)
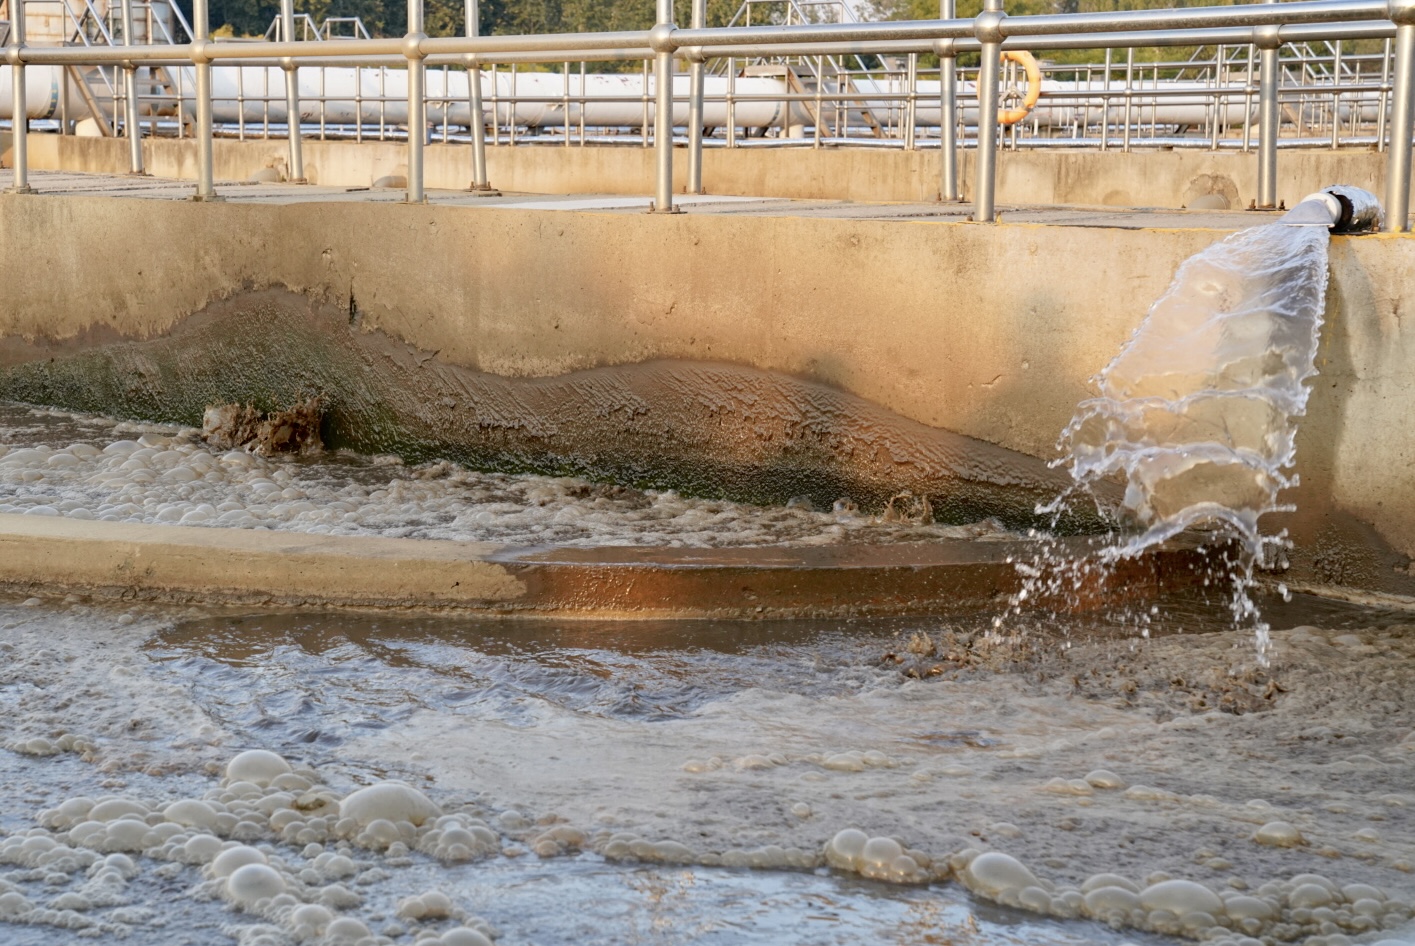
(47, 555)
(1142, 178)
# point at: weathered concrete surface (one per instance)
(239, 565)
(989, 332)
(1143, 178)
(183, 563)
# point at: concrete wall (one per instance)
(987, 331)
(1140, 179)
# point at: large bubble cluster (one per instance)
(270, 840)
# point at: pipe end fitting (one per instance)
(199, 54)
(1402, 12)
(413, 46)
(987, 26)
(661, 38)
(945, 48)
(1361, 212)
(1267, 36)
(12, 55)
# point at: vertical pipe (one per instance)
(1129, 98)
(820, 94)
(292, 95)
(911, 104)
(1105, 105)
(417, 101)
(948, 109)
(643, 101)
(732, 101)
(695, 105)
(987, 26)
(1384, 98)
(1247, 102)
(1336, 97)
(130, 92)
(480, 185)
(495, 107)
(19, 116)
(1267, 119)
(661, 41)
(1402, 126)
(201, 35)
(64, 128)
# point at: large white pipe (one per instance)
(257, 93)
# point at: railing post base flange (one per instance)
(483, 191)
(22, 189)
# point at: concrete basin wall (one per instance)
(1139, 179)
(990, 332)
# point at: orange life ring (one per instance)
(1028, 62)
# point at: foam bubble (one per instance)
(345, 931)
(234, 858)
(388, 801)
(190, 813)
(1181, 897)
(257, 767)
(998, 876)
(251, 883)
(1279, 834)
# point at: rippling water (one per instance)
(717, 736)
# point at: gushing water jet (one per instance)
(1197, 415)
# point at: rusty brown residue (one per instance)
(242, 427)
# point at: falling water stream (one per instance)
(1197, 415)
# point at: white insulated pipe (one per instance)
(257, 93)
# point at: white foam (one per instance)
(170, 477)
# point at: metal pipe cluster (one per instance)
(1268, 25)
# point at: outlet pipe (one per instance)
(1340, 208)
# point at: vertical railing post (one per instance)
(661, 41)
(1269, 120)
(947, 110)
(481, 186)
(19, 116)
(417, 101)
(201, 36)
(292, 95)
(1402, 119)
(696, 82)
(987, 27)
(130, 93)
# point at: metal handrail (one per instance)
(1267, 26)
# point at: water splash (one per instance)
(1196, 417)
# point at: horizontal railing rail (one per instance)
(1331, 91)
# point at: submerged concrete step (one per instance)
(46, 556)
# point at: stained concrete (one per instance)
(984, 331)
